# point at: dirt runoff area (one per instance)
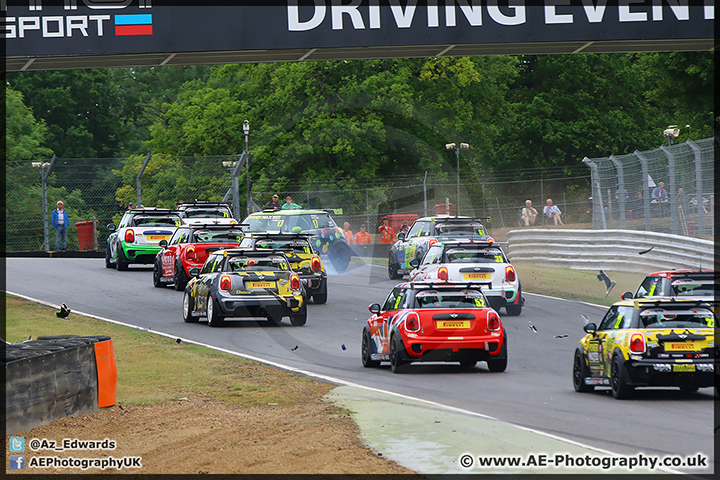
(198, 435)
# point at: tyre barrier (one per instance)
(55, 377)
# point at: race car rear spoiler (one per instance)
(435, 284)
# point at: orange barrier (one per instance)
(106, 373)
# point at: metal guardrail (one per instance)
(618, 250)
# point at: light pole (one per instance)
(463, 146)
(246, 129)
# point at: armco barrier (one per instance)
(55, 377)
(617, 250)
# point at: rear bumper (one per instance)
(140, 253)
(428, 349)
(501, 298)
(660, 373)
(314, 284)
(260, 306)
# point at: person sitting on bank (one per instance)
(529, 213)
(552, 212)
(362, 237)
(289, 205)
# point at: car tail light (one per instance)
(490, 240)
(412, 322)
(493, 322)
(637, 343)
(190, 253)
(509, 273)
(443, 273)
(233, 222)
(315, 264)
(225, 283)
(294, 282)
(129, 236)
(432, 242)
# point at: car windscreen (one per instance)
(285, 245)
(287, 223)
(688, 287)
(466, 298)
(157, 221)
(215, 236)
(467, 229)
(216, 212)
(243, 263)
(664, 318)
(461, 255)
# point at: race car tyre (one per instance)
(367, 350)
(468, 363)
(619, 380)
(515, 309)
(340, 255)
(107, 257)
(213, 315)
(121, 263)
(299, 319)
(157, 276)
(499, 364)
(688, 388)
(188, 316)
(580, 373)
(397, 364)
(321, 298)
(393, 268)
(180, 278)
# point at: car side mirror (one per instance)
(194, 272)
(590, 328)
(415, 263)
(110, 227)
(627, 296)
(163, 243)
(374, 308)
(400, 236)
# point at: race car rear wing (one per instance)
(425, 284)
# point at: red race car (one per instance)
(188, 248)
(434, 322)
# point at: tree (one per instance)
(24, 136)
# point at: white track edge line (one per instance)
(345, 382)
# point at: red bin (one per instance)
(86, 235)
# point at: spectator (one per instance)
(130, 205)
(289, 205)
(362, 237)
(619, 193)
(273, 204)
(405, 228)
(387, 234)
(529, 213)
(348, 233)
(60, 222)
(552, 212)
(659, 194)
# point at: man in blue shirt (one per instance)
(60, 223)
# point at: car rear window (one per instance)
(207, 213)
(691, 318)
(210, 236)
(690, 287)
(257, 264)
(449, 299)
(461, 255)
(450, 229)
(168, 221)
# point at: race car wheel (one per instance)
(107, 257)
(393, 268)
(213, 315)
(397, 364)
(515, 309)
(299, 319)
(580, 373)
(188, 316)
(619, 380)
(179, 277)
(340, 256)
(499, 364)
(367, 350)
(321, 298)
(157, 276)
(121, 263)
(274, 319)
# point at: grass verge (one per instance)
(153, 369)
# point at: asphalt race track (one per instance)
(535, 391)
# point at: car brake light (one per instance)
(294, 282)
(493, 322)
(315, 264)
(443, 273)
(129, 236)
(190, 253)
(490, 240)
(412, 322)
(432, 242)
(637, 343)
(225, 283)
(509, 273)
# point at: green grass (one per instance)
(153, 369)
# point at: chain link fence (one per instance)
(669, 189)
(98, 190)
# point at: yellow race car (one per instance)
(648, 342)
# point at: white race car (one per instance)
(467, 260)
